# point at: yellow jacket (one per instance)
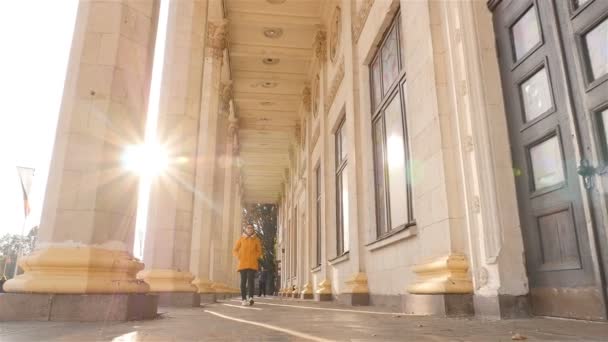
(248, 249)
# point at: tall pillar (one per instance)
(84, 250)
(206, 158)
(224, 185)
(169, 231)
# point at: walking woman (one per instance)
(248, 249)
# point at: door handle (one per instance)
(587, 171)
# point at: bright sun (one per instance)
(148, 159)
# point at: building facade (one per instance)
(440, 168)
(440, 157)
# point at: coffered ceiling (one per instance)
(270, 56)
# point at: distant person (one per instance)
(262, 284)
(248, 249)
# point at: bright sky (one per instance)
(35, 38)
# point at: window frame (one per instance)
(340, 167)
(319, 204)
(396, 89)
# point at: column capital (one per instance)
(306, 98)
(225, 97)
(319, 45)
(217, 38)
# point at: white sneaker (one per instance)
(244, 302)
(251, 301)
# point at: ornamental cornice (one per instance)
(335, 85)
(361, 19)
(217, 38)
(319, 45)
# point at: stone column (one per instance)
(169, 231)
(356, 291)
(206, 158)
(225, 216)
(84, 250)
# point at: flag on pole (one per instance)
(26, 175)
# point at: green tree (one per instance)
(13, 245)
(264, 219)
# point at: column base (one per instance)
(356, 292)
(323, 294)
(207, 298)
(501, 307)
(167, 280)
(77, 307)
(78, 270)
(306, 292)
(353, 299)
(179, 299)
(442, 305)
(323, 297)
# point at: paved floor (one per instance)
(274, 319)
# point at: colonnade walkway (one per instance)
(275, 319)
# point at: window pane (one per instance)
(379, 174)
(344, 200)
(604, 119)
(579, 3)
(390, 61)
(547, 165)
(596, 43)
(318, 213)
(395, 156)
(343, 144)
(376, 90)
(338, 147)
(536, 95)
(526, 34)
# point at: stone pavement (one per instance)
(275, 319)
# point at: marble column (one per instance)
(169, 231)
(84, 250)
(207, 162)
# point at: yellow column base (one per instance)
(165, 280)
(220, 288)
(324, 287)
(447, 274)
(203, 285)
(357, 283)
(306, 290)
(78, 270)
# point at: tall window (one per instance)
(341, 191)
(294, 244)
(393, 189)
(318, 214)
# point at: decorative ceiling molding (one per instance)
(361, 19)
(335, 85)
(225, 97)
(319, 45)
(217, 38)
(306, 99)
(335, 34)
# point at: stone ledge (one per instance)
(77, 307)
(179, 299)
(442, 305)
(501, 307)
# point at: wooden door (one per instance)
(563, 278)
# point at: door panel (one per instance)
(558, 253)
(584, 28)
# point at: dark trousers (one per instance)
(247, 280)
(262, 288)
